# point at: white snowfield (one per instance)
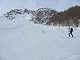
(23, 40)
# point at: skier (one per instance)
(71, 32)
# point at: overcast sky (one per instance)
(59, 5)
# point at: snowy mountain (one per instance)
(42, 15)
(39, 16)
(12, 14)
(22, 40)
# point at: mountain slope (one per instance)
(29, 41)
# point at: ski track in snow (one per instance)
(27, 41)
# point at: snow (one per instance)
(23, 40)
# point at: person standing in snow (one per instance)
(71, 32)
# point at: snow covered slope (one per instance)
(22, 40)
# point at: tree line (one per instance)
(69, 17)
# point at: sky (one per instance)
(58, 5)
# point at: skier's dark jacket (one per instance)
(71, 30)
